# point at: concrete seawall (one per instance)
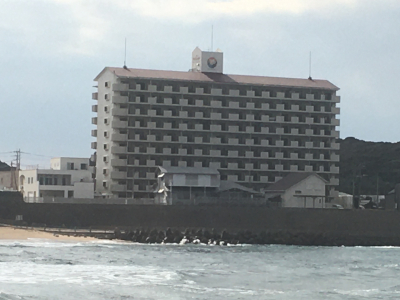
(330, 226)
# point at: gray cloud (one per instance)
(52, 50)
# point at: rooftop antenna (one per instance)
(125, 67)
(212, 37)
(309, 68)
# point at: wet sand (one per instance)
(10, 233)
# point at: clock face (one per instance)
(212, 62)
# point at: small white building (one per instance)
(68, 177)
(305, 190)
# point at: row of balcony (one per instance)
(230, 166)
(118, 87)
(217, 105)
(230, 154)
(231, 105)
(263, 157)
(218, 141)
(264, 143)
(229, 117)
(237, 129)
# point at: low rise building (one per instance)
(306, 190)
(8, 178)
(68, 177)
(199, 186)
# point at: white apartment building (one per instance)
(253, 129)
(68, 177)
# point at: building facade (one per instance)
(9, 178)
(301, 190)
(253, 129)
(68, 177)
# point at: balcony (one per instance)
(334, 169)
(94, 132)
(335, 122)
(118, 188)
(119, 124)
(335, 157)
(118, 150)
(120, 112)
(335, 134)
(335, 146)
(334, 181)
(94, 145)
(120, 87)
(94, 108)
(119, 99)
(94, 120)
(95, 96)
(118, 175)
(118, 162)
(118, 137)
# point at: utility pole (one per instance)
(15, 171)
(18, 158)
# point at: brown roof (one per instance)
(221, 78)
(289, 181)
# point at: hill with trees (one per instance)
(368, 167)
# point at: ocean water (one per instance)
(43, 269)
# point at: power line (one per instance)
(38, 155)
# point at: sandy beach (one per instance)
(10, 233)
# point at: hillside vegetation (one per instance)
(369, 165)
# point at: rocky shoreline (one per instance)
(223, 238)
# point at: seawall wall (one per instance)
(346, 225)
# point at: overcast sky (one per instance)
(50, 51)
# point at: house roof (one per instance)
(290, 180)
(189, 170)
(220, 78)
(226, 185)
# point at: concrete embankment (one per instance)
(247, 224)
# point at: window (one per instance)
(104, 184)
(70, 166)
(105, 146)
(107, 84)
(297, 192)
(70, 194)
(106, 121)
(106, 109)
(106, 96)
(84, 166)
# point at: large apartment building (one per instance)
(253, 129)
